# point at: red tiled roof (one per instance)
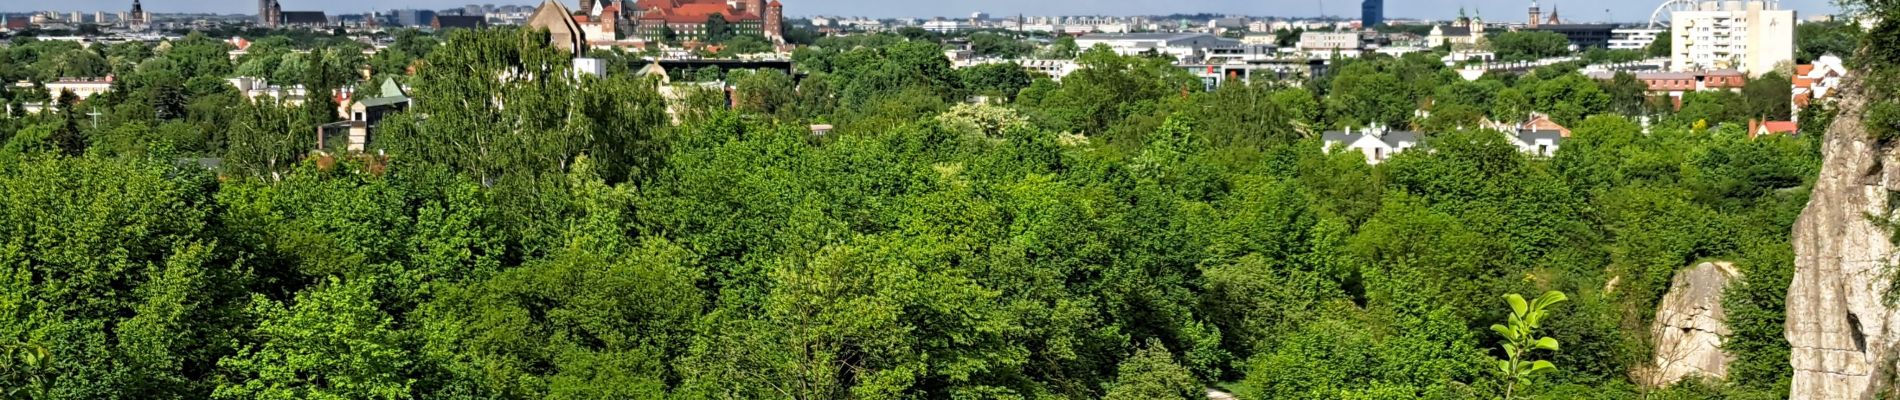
(1781, 126)
(1543, 123)
(1803, 69)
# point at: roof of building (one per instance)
(563, 32)
(1449, 30)
(1542, 123)
(1534, 136)
(1781, 126)
(1390, 138)
(390, 93)
(306, 18)
(1651, 76)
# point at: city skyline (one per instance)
(1497, 10)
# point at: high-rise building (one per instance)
(1372, 13)
(263, 12)
(1750, 36)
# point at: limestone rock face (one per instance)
(1690, 326)
(1841, 331)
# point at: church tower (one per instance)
(1537, 15)
(138, 16)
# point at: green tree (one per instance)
(1529, 45)
(1153, 374)
(1818, 39)
(1662, 47)
(1002, 80)
(331, 342)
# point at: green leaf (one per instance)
(1541, 365)
(1502, 331)
(1547, 344)
(1551, 298)
(1517, 304)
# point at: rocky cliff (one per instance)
(1691, 326)
(1841, 331)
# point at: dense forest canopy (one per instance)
(1116, 234)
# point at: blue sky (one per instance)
(1497, 10)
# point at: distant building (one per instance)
(1329, 41)
(563, 32)
(1377, 143)
(1464, 32)
(1675, 84)
(81, 87)
(1538, 137)
(1818, 81)
(602, 25)
(253, 89)
(442, 22)
(264, 17)
(1634, 38)
(137, 16)
(305, 19)
(687, 19)
(947, 26)
(414, 18)
(1537, 16)
(1765, 128)
(1583, 36)
(1372, 13)
(1259, 38)
(364, 116)
(1179, 45)
(1751, 36)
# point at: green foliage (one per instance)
(331, 342)
(1152, 374)
(1836, 38)
(524, 233)
(1529, 45)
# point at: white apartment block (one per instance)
(1329, 41)
(1179, 45)
(1634, 38)
(1750, 36)
(948, 26)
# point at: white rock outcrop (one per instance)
(1691, 326)
(1841, 331)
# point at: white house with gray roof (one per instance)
(1377, 142)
